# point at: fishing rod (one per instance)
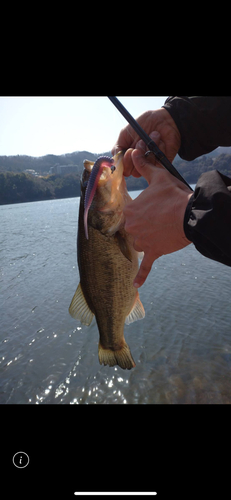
(160, 156)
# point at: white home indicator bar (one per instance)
(117, 493)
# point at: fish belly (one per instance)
(106, 278)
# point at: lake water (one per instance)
(182, 348)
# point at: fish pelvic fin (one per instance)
(137, 311)
(121, 357)
(79, 308)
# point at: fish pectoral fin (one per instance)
(123, 245)
(79, 308)
(137, 311)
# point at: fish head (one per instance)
(100, 168)
(103, 186)
(107, 166)
(110, 184)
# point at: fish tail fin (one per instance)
(121, 357)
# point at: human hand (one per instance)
(160, 126)
(155, 218)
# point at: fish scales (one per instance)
(107, 265)
(106, 283)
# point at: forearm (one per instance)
(204, 123)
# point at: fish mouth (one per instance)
(95, 174)
(101, 167)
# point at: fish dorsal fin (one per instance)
(137, 311)
(123, 245)
(79, 308)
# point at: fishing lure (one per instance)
(101, 162)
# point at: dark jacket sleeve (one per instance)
(204, 123)
(207, 221)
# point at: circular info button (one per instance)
(21, 459)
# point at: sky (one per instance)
(37, 126)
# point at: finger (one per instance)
(142, 165)
(127, 139)
(155, 136)
(116, 148)
(141, 145)
(145, 268)
(129, 168)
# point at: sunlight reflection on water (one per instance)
(182, 348)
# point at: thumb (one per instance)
(144, 270)
(143, 167)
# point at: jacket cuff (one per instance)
(207, 221)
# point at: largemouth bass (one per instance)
(107, 260)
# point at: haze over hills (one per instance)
(50, 181)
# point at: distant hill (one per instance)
(191, 170)
(42, 164)
(17, 186)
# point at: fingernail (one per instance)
(136, 285)
(155, 135)
(140, 145)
